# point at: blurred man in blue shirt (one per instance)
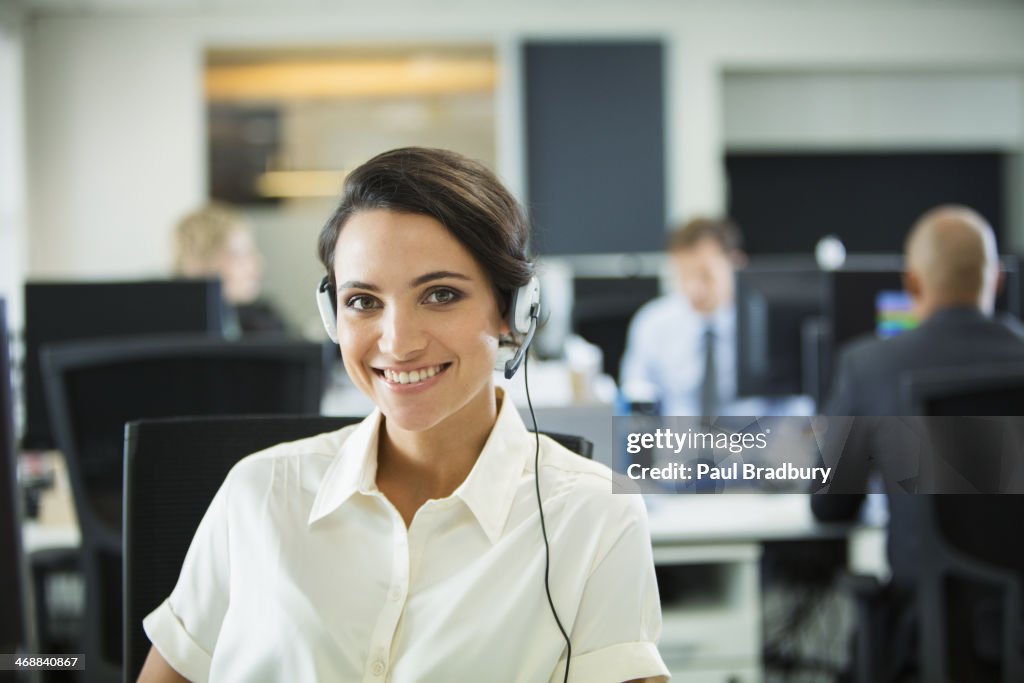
(681, 347)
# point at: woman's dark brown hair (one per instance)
(461, 194)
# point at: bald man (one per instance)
(952, 276)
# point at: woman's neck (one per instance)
(433, 463)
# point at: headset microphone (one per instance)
(513, 363)
(523, 311)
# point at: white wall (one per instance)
(116, 132)
(913, 110)
(12, 167)
(115, 143)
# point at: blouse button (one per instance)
(377, 668)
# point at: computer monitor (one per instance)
(854, 297)
(774, 302)
(13, 575)
(602, 309)
(71, 311)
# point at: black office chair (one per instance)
(974, 427)
(976, 447)
(94, 388)
(173, 468)
(969, 582)
(996, 389)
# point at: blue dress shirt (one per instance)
(664, 361)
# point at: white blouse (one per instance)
(301, 570)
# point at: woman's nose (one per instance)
(402, 335)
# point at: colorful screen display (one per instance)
(893, 314)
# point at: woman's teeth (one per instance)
(412, 377)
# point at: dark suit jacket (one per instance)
(867, 383)
(867, 380)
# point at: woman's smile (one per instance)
(411, 380)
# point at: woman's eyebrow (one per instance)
(422, 279)
(438, 275)
(356, 284)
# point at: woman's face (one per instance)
(418, 322)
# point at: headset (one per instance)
(523, 314)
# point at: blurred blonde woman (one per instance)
(216, 241)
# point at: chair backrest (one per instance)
(173, 468)
(984, 389)
(576, 444)
(68, 311)
(972, 419)
(95, 387)
(972, 567)
(14, 617)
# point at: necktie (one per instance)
(709, 385)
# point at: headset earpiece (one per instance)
(327, 303)
(523, 312)
(525, 307)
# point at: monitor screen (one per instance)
(603, 308)
(72, 311)
(773, 303)
(894, 313)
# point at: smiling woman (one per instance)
(411, 547)
(413, 299)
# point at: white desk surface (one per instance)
(735, 518)
(37, 536)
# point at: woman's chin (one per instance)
(423, 413)
(412, 420)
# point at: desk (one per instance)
(715, 634)
(57, 524)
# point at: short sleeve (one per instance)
(615, 635)
(184, 628)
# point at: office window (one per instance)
(287, 124)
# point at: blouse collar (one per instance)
(488, 491)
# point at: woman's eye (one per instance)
(361, 302)
(442, 296)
